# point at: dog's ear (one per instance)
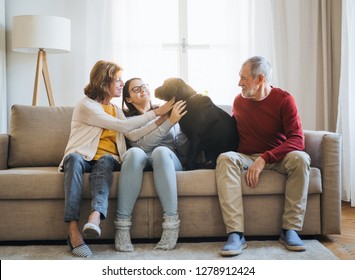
(170, 92)
(184, 91)
(174, 94)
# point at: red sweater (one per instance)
(271, 126)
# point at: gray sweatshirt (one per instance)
(167, 135)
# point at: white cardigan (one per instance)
(89, 118)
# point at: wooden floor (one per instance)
(343, 245)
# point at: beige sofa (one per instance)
(32, 196)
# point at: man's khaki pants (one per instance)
(230, 165)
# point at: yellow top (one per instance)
(107, 144)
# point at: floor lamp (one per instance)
(41, 34)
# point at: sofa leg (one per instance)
(171, 225)
(123, 241)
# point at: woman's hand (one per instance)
(165, 108)
(159, 121)
(178, 111)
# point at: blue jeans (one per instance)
(100, 182)
(164, 163)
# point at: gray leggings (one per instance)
(164, 163)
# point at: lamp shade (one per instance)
(33, 32)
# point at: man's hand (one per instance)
(254, 170)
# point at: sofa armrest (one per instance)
(325, 150)
(4, 150)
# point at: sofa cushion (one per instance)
(38, 135)
(47, 183)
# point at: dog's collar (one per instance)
(192, 96)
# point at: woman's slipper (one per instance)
(82, 251)
(91, 230)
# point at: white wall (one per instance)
(68, 74)
(3, 102)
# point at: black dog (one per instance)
(208, 127)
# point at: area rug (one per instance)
(257, 250)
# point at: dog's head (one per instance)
(174, 87)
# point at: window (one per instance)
(203, 42)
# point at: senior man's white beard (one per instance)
(247, 94)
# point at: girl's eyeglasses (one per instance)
(138, 89)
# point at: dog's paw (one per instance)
(205, 165)
(210, 165)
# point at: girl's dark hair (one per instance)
(131, 110)
(102, 75)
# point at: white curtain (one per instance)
(92, 28)
(346, 112)
(3, 100)
(294, 37)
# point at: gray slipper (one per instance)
(91, 230)
(82, 251)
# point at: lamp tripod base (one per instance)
(42, 67)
